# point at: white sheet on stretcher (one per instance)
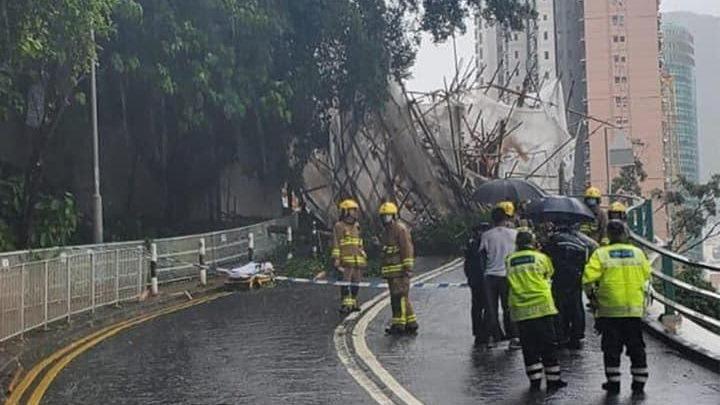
(250, 270)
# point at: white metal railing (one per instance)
(76, 279)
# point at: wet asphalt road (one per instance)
(441, 367)
(273, 346)
(276, 346)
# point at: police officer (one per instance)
(348, 253)
(397, 264)
(569, 251)
(474, 268)
(596, 229)
(533, 308)
(615, 280)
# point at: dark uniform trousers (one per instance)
(571, 319)
(539, 347)
(498, 290)
(619, 333)
(478, 310)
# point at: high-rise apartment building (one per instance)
(570, 54)
(519, 60)
(679, 61)
(623, 83)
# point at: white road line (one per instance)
(369, 311)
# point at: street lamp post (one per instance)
(97, 197)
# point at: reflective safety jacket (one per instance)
(398, 256)
(618, 273)
(528, 275)
(597, 229)
(348, 245)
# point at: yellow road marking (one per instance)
(82, 345)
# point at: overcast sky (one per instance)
(436, 62)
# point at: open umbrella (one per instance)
(558, 208)
(516, 190)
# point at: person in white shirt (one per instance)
(497, 244)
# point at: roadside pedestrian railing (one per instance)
(640, 221)
(44, 286)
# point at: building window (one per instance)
(517, 55)
(547, 75)
(480, 53)
(623, 59)
(545, 35)
(616, 58)
(545, 17)
(480, 37)
(547, 55)
(615, 38)
(617, 79)
(515, 37)
(622, 38)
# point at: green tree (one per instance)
(630, 179)
(47, 51)
(694, 210)
(705, 305)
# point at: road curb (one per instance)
(694, 352)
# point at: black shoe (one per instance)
(535, 385)
(345, 310)
(395, 330)
(553, 386)
(412, 328)
(356, 308)
(638, 389)
(611, 387)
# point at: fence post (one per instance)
(117, 277)
(69, 287)
(251, 246)
(141, 250)
(289, 241)
(201, 261)
(46, 294)
(92, 281)
(668, 287)
(153, 269)
(22, 300)
(315, 239)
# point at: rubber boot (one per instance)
(638, 388)
(553, 386)
(395, 329)
(535, 385)
(611, 387)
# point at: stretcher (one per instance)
(250, 275)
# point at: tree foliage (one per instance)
(694, 212)
(195, 85)
(630, 179)
(705, 305)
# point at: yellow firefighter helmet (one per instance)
(348, 204)
(388, 208)
(593, 192)
(618, 207)
(508, 208)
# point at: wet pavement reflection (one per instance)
(265, 347)
(440, 365)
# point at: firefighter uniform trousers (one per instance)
(616, 334)
(348, 249)
(398, 262)
(532, 307)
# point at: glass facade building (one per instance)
(679, 62)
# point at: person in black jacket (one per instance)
(475, 273)
(569, 251)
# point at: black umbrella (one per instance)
(558, 209)
(516, 190)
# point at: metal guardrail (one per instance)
(642, 215)
(76, 279)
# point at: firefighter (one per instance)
(398, 261)
(348, 253)
(533, 308)
(596, 229)
(615, 280)
(617, 210)
(569, 251)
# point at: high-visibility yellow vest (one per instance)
(619, 274)
(398, 251)
(528, 275)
